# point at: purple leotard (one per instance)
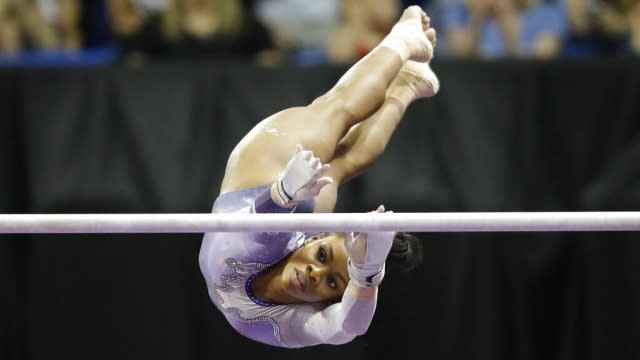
(228, 261)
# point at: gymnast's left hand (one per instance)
(302, 179)
(368, 253)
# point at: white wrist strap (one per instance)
(283, 197)
(362, 279)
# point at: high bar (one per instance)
(329, 222)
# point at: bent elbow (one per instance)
(355, 328)
(356, 331)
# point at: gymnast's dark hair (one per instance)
(406, 252)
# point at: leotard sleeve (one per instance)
(336, 324)
(265, 204)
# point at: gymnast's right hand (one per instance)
(302, 178)
(368, 253)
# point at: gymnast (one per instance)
(295, 289)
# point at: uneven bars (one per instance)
(337, 222)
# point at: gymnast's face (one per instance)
(317, 271)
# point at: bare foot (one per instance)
(433, 38)
(426, 21)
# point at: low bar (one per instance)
(335, 222)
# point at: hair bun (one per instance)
(406, 251)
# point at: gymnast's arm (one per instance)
(339, 323)
(266, 202)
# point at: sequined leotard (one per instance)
(230, 262)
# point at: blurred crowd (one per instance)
(312, 32)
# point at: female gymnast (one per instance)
(293, 289)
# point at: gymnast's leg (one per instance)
(265, 150)
(367, 140)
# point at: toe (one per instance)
(431, 35)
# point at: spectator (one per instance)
(63, 17)
(199, 28)
(633, 18)
(503, 28)
(597, 28)
(364, 23)
(300, 28)
(127, 16)
(11, 30)
(23, 27)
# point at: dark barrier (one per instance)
(512, 136)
